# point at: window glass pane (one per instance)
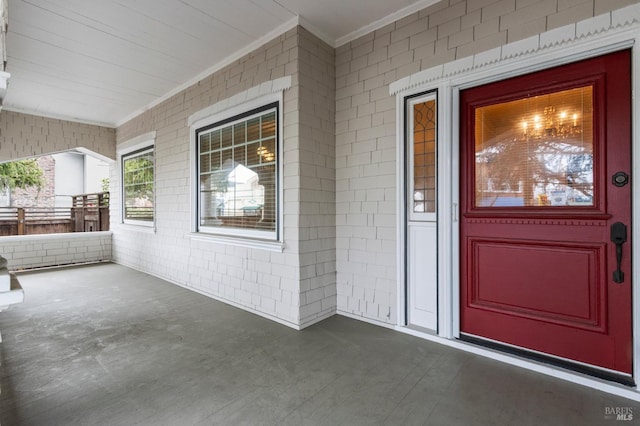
(138, 186)
(536, 151)
(239, 155)
(424, 157)
(215, 160)
(239, 135)
(241, 193)
(205, 142)
(267, 176)
(268, 151)
(253, 129)
(227, 137)
(253, 156)
(215, 140)
(205, 163)
(227, 159)
(269, 125)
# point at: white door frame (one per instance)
(597, 36)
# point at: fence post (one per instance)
(72, 219)
(20, 221)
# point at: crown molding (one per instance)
(402, 13)
(59, 117)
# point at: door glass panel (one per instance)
(424, 157)
(536, 151)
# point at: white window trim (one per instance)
(244, 100)
(248, 100)
(146, 141)
(275, 246)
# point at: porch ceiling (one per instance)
(105, 61)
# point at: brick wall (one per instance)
(25, 136)
(286, 286)
(39, 197)
(36, 251)
(366, 188)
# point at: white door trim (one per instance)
(590, 38)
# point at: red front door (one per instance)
(545, 160)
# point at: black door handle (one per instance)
(618, 237)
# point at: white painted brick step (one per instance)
(5, 279)
(14, 295)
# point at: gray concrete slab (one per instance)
(107, 345)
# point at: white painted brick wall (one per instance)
(366, 187)
(37, 251)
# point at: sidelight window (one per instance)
(422, 156)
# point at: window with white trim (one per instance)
(138, 186)
(237, 174)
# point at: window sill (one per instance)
(275, 246)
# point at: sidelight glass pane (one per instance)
(536, 151)
(424, 157)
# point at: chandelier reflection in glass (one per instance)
(265, 154)
(552, 125)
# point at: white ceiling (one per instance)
(105, 61)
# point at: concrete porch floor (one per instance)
(107, 345)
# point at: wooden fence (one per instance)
(89, 212)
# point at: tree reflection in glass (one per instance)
(536, 151)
